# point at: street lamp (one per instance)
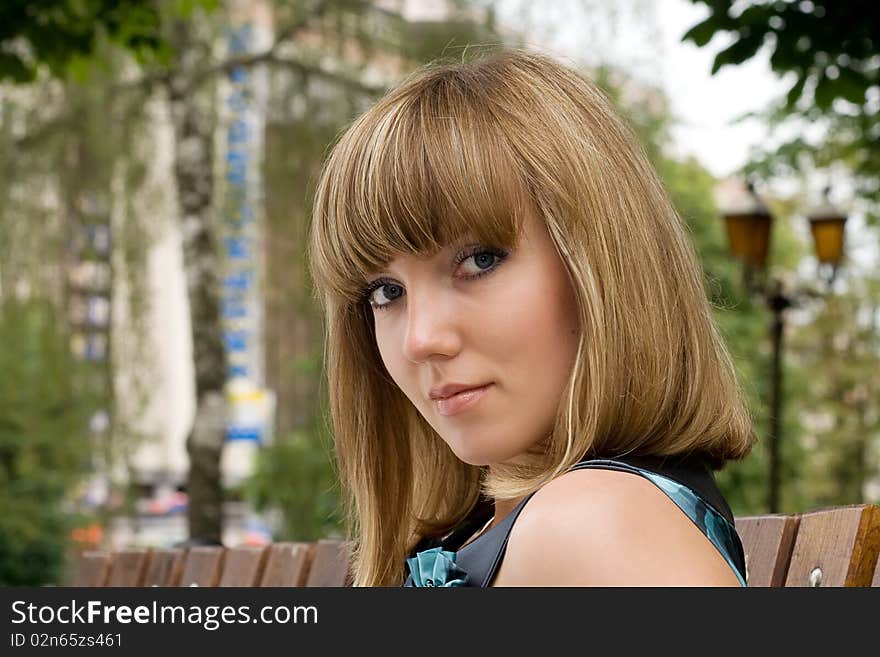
(748, 222)
(826, 225)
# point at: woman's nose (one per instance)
(431, 328)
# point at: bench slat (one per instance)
(165, 567)
(767, 541)
(330, 566)
(836, 547)
(92, 568)
(288, 564)
(128, 567)
(243, 566)
(202, 566)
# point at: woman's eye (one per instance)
(384, 294)
(483, 260)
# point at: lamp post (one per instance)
(748, 224)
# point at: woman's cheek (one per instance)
(392, 358)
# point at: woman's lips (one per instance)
(461, 401)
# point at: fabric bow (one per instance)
(436, 567)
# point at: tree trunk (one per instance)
(194, 121)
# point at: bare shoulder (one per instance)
(597, 527)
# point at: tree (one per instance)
(831, 50)
(843, 406)
(57, 34)
(59, 185)
(43, 441)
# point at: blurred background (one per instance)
(161, 347)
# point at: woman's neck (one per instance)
(502, 508)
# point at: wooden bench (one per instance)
(322, 563)
(828, 547)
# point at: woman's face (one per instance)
(475, 316)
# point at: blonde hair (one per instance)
(459, 147)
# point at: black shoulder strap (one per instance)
(481, 558)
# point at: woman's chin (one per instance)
(481, 457)
(468, 454)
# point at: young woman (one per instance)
(526, 384)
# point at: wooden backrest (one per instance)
(331, 563)
(830, 547)
(767, 541)
(129, 567)
(202, 566)
(288, 564)
(243, 566)
(92, 568)
(165, 567)
(836, 547)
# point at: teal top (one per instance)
(477, 562)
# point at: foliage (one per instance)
(60, 176)
(43, 445)
(295, 477)
(829, 46)
(831, 51)
(59, 34)
(65, 36)
(843, 406)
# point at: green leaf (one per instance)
(702, 33)
(825, 93)
(13, 68)
(79, 68)
(794, 94)
(756, 17)
(739, 51)
(852, 86)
